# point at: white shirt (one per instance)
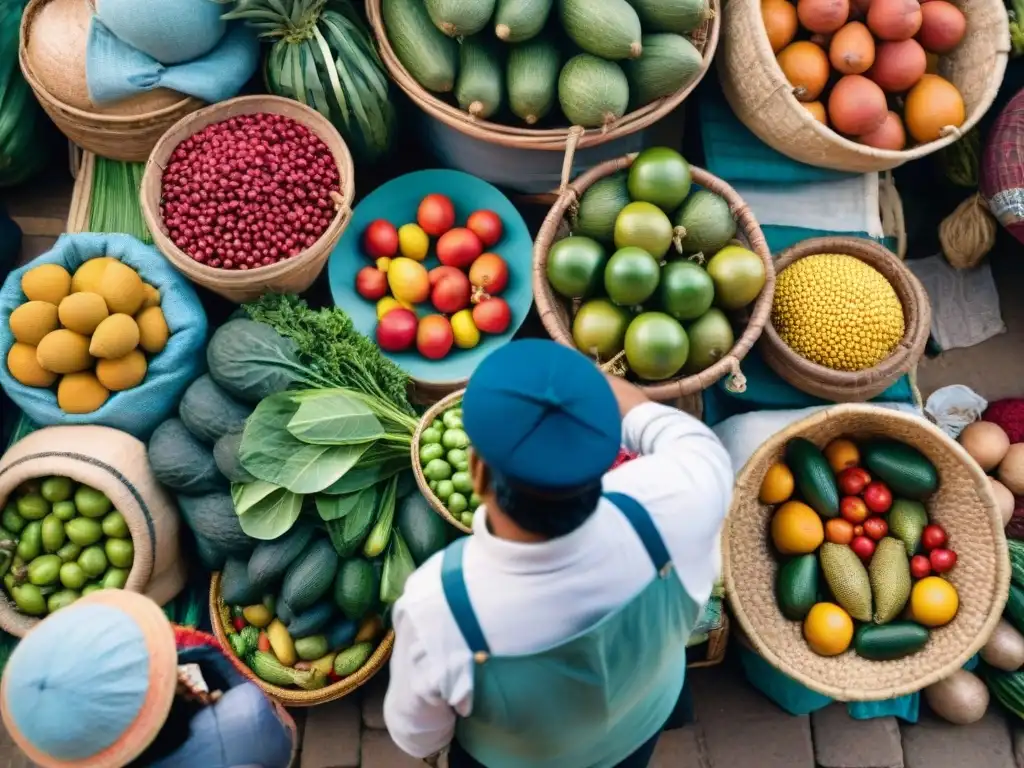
(531, 596)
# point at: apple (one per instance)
(876, 528)
(878, 497)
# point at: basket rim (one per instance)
(428, 417)
(911, 293)
(776, 658)
(553, 139)
(290, 696)
(149, 188)
(760, 309)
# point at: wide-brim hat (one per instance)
(91, 685)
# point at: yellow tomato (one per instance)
(777, 485)
(933, 602)
(797, 529)
(413, 242)
(383, 263)
(842, 454)
(466, 334)
(386, 304)
(828, 629)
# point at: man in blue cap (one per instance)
(555, 636)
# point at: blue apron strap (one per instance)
(644, 526)
(457, 595)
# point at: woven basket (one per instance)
(849, 386)
(293, 697)
(292, 275)
(567, 140)
(119, 137)
(555, 314)
(963, 506)
(763, 99)
(434, 412)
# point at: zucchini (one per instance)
(600, 206)
(669, 62)
(312, 620)
(516, 21)
(423, 529)
(351, 660)
(532, 79)
(429, 56)
(460, 18)
(678, 16)
(270, 559)
(1008, 688)
(796, 586)
(235, 587)
(904, 469)
(813, 476)
(1014, 610)
(356, 588)
(606, 28)
(226, 457)
(310, 576)
(593, 92)
(882, 642)
(270, 670)
(478, 88)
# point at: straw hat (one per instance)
(91, 686)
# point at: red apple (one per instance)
(933, 537)
(435, 215)
(876, 528)
(396, 331)
(942, 560)
(380, 238)
(853, 480)
(486, 225)
(878, 497)
(920, 566)
(492, 315)
(451, 293)
(863, 547)
(854, 509)
(458, 248)
(371, 283)
(434, 337)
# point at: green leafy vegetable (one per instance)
(335, 419)
(347, 533)
(251, 361)
(398, 567)
(381, 531)
(265, 511)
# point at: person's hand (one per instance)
(628, 396)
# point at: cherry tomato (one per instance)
(839, 531)
(933, 537)
(853, 480)
(878, 497)
(486, 225)
(854, 509)
(942, 560)
(876, 528)
(863, 547)
(239, 623)
(920, 566)
(380, 239)
(371, 283)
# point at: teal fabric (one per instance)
(602, 693)
(779, 688)
(171, 31)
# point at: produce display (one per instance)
(61, 540)
(868, 68)
(463, 292)
(655, 269)
(249, 191)
(989, 445)
(517, 62)
(856, 514)
(444, 459)
(1004, 653)
(88, 333)
(837, 311)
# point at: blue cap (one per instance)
(543, 415)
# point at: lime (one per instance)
(463, 482)
(73, 576)
(438, 469)
(65, 510)
(575, 265)
(656, 346)
(33, 507)
(444, 489)
(431, 435)
(467, 519)
(56, 489)
(114, 525)
(660, 175)
(431, 451)
(91, 503)
(686, 290)
(120, 552)
(631, 276)
(457, 503)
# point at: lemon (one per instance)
(466, 333)
(828, 629)
(413, 242)
(797, 529)
(933, 602)
(777, 485)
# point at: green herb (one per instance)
(114, 202)
(398, 567)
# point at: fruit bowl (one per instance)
(963, 506)
(397, 202)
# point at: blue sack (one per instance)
(115, 71)
(171, 31)
(139, 410)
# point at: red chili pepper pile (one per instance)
(1008, 414)
(249, 191)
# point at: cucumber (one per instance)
(593, 92)
(356, 588)
(429, 56)
(460, 18)
(310, 576)
(516, 21)
(904, 469)
(600, 206)
(311, 648)
(340, 634)
(796, 586)
(678, 16)
(312, 620)
(813, 476)
(225, 456)
(606, 28)
(352, 659)
(423, 530)
(531, 77)
(270, 670)
(235, 587)
(669, 62)
(882, 642)
(479, 86)
(270, 559)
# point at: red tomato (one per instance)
(380, 239)
(920, 566)
(876, 528)
(458, 248)
(396, 331)
(263, 642)
(863, 547)
(436, 215)
(489, 273)
(371, 283)
(854, 509)
(434, 337)
(853, 480)
(933, 537)
(838, 531)
(239, 623)
(942, 560)
(486, 225)
(451, 293)
(492, 315)
(437, 273)
(878, 497)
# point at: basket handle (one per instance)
(737, 382)
(571, 143)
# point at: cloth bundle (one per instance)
(1002, 167)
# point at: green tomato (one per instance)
(431, 435)
(438, 469)
(457, 456)
(467, 519)
(474, 501)
(444, 489)
(437, 424)
(463, 483)
(452, 420)
(429, 452)
(455, 438)
(432, 485)
(457, 504)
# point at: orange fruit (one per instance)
(817, 110)
(839, 531)
(806, 67)
(932, 107)
(777, 485)
(842, 454)
(933, 602)
(828, 629)
(779, 17)
(796, 529)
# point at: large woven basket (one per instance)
(555, 311)
(432, 413)
(963, 506)
(849, 386)
(292, 275)
(119, 137)
(293, 697)
(763, 99)
(568, 139)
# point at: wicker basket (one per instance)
(567, 140)
(119, 137)
(963, 506)
(293, 697)
(848, 386)
(434, 412)
(554, 311)
(763, 99)
(292, 275)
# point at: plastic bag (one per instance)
(137, 411)
(171, 31)
(954, 407)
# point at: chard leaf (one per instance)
(266, 512)
(347, 533)
(336, 507)
(333, 418)
(366, 475)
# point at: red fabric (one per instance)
(187, 637)
(1008, 414)
(1002, 166)
(623, 457)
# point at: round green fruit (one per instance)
(711, 338)
(661, 176)
(599, 329)
(707, 221)
(643, 225)
(686, 290)
(631, 276)
(574, 266)
(738, 275)
(656, 346)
